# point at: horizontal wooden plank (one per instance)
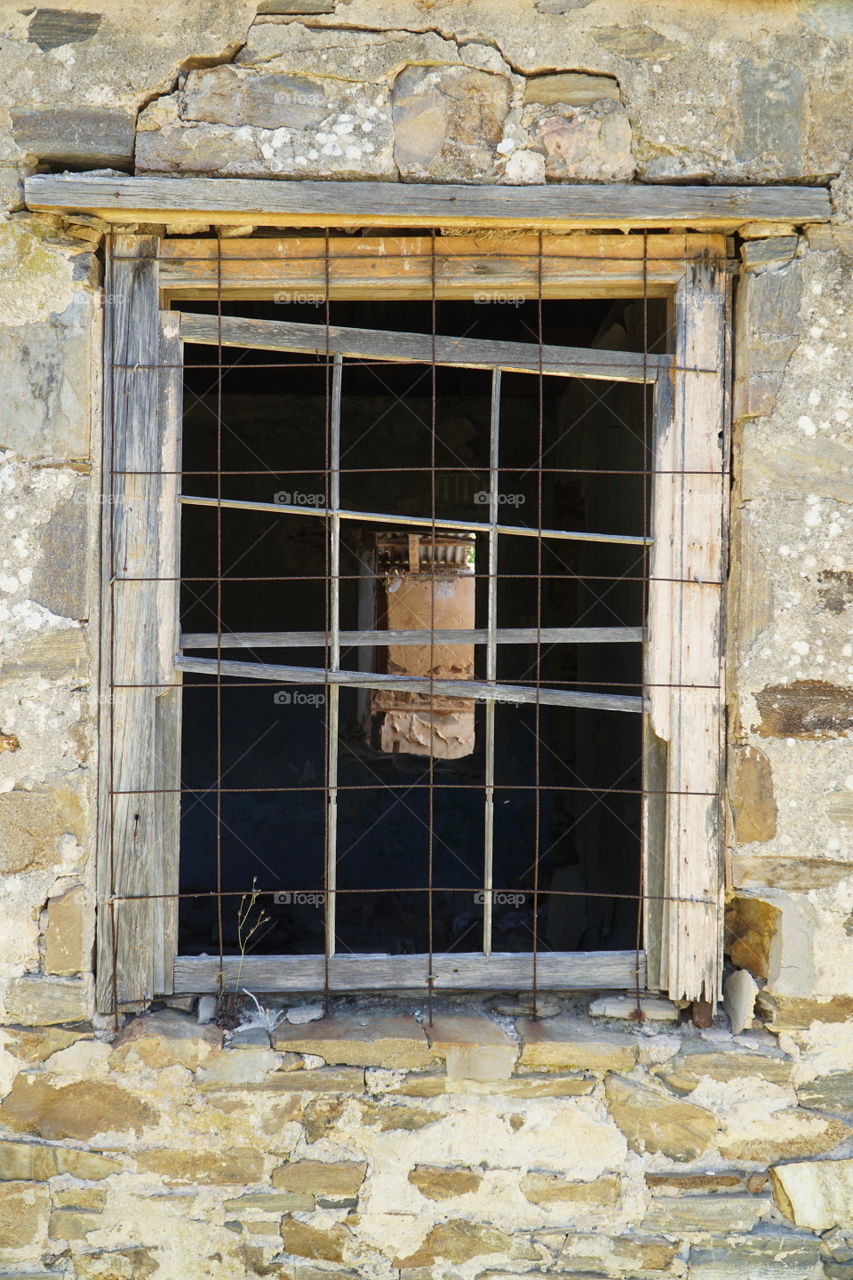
(418, 522)
(555, 971)
(273, 672)
(495, 268)
(270, 202)
(422, 348)
(354, 639)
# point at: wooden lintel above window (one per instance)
(557, 207)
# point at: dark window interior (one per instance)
(414, 441)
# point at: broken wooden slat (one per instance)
(354, 639)
(566, 971)
(481, 689)
(268, 202)
(421, 348)
(439, 524)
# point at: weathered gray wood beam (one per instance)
(459, 635)
(388, 204)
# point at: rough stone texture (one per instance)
(456, 1241)
(37, 1001)
(772, 1257)
(571, 88)
(582, 144)
(804, 709)
(817, 1194)
(616, 1254)
(224, 1166)
(739, 992)
(79, 1110)
(653, 1121)
(354, 1041)
(472, 1048)
(165, 1038)
(751, 925)
(448, 123)
(550, 1188)
(438, 1183)
(24, 1210)
(751, 796)
(831, 1093)
(31, 825)
(305, 1241)
(684, 1072)
(32, 1162)
(333, 1180)
(67, 938)
(782, 1135)
(89, 138)
(713, 1212)
(560, 1043)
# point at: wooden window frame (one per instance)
(137, 952)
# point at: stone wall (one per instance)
(373, 1144)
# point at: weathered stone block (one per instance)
(766, 336)
(457, 1241)
(210, 1168)
(35, 1046)
(164, 1039)
(739, 992)
(629, 1009)
(715, 1212)
(561, 1042)
(751, 795)
(67, 945)
(552, 1188)
(681, 1183)
(437, 1182)
(832, 1093)
(88, 137)
(270, 1202)
(78, 1110)
(751, 926)
(448, 122)
(36, 1001)
(73, 1224)
(473, 1048)
(638, 43)
(653, 1121)
(31, 826)
(305, 1241)
(771, 109)
(52, 28)
(77, 1197)
(684, 1072)
(805, 709)
(238, 96)
(582, 144)
(816, 1193)
(24, 1208)
(783, 1135)
(395, 1041)
(337, 1180)
(55, 656)
(795, 875)
(61, 578)
(761, 255)
(619, 1255)
(389, 1116)
(770, 1257)
(32, 1162)
(789, 1013)
(572, 88)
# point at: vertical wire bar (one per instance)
(219, 375)
(491, 662)
(643, 852)
(333, 691)
(431, 793)
(537, 746)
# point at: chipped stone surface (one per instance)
(653, 1121)
(79, 1110)
(550, 1188)
(436, 1182)
(816, 1194)
(561, 1043)
(354, 1041)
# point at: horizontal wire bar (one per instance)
(407, 786)
(356, 639)
(438, 525)
(412, 684)
(467, 889)
(472, 471)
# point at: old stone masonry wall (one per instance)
(371, 1143)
